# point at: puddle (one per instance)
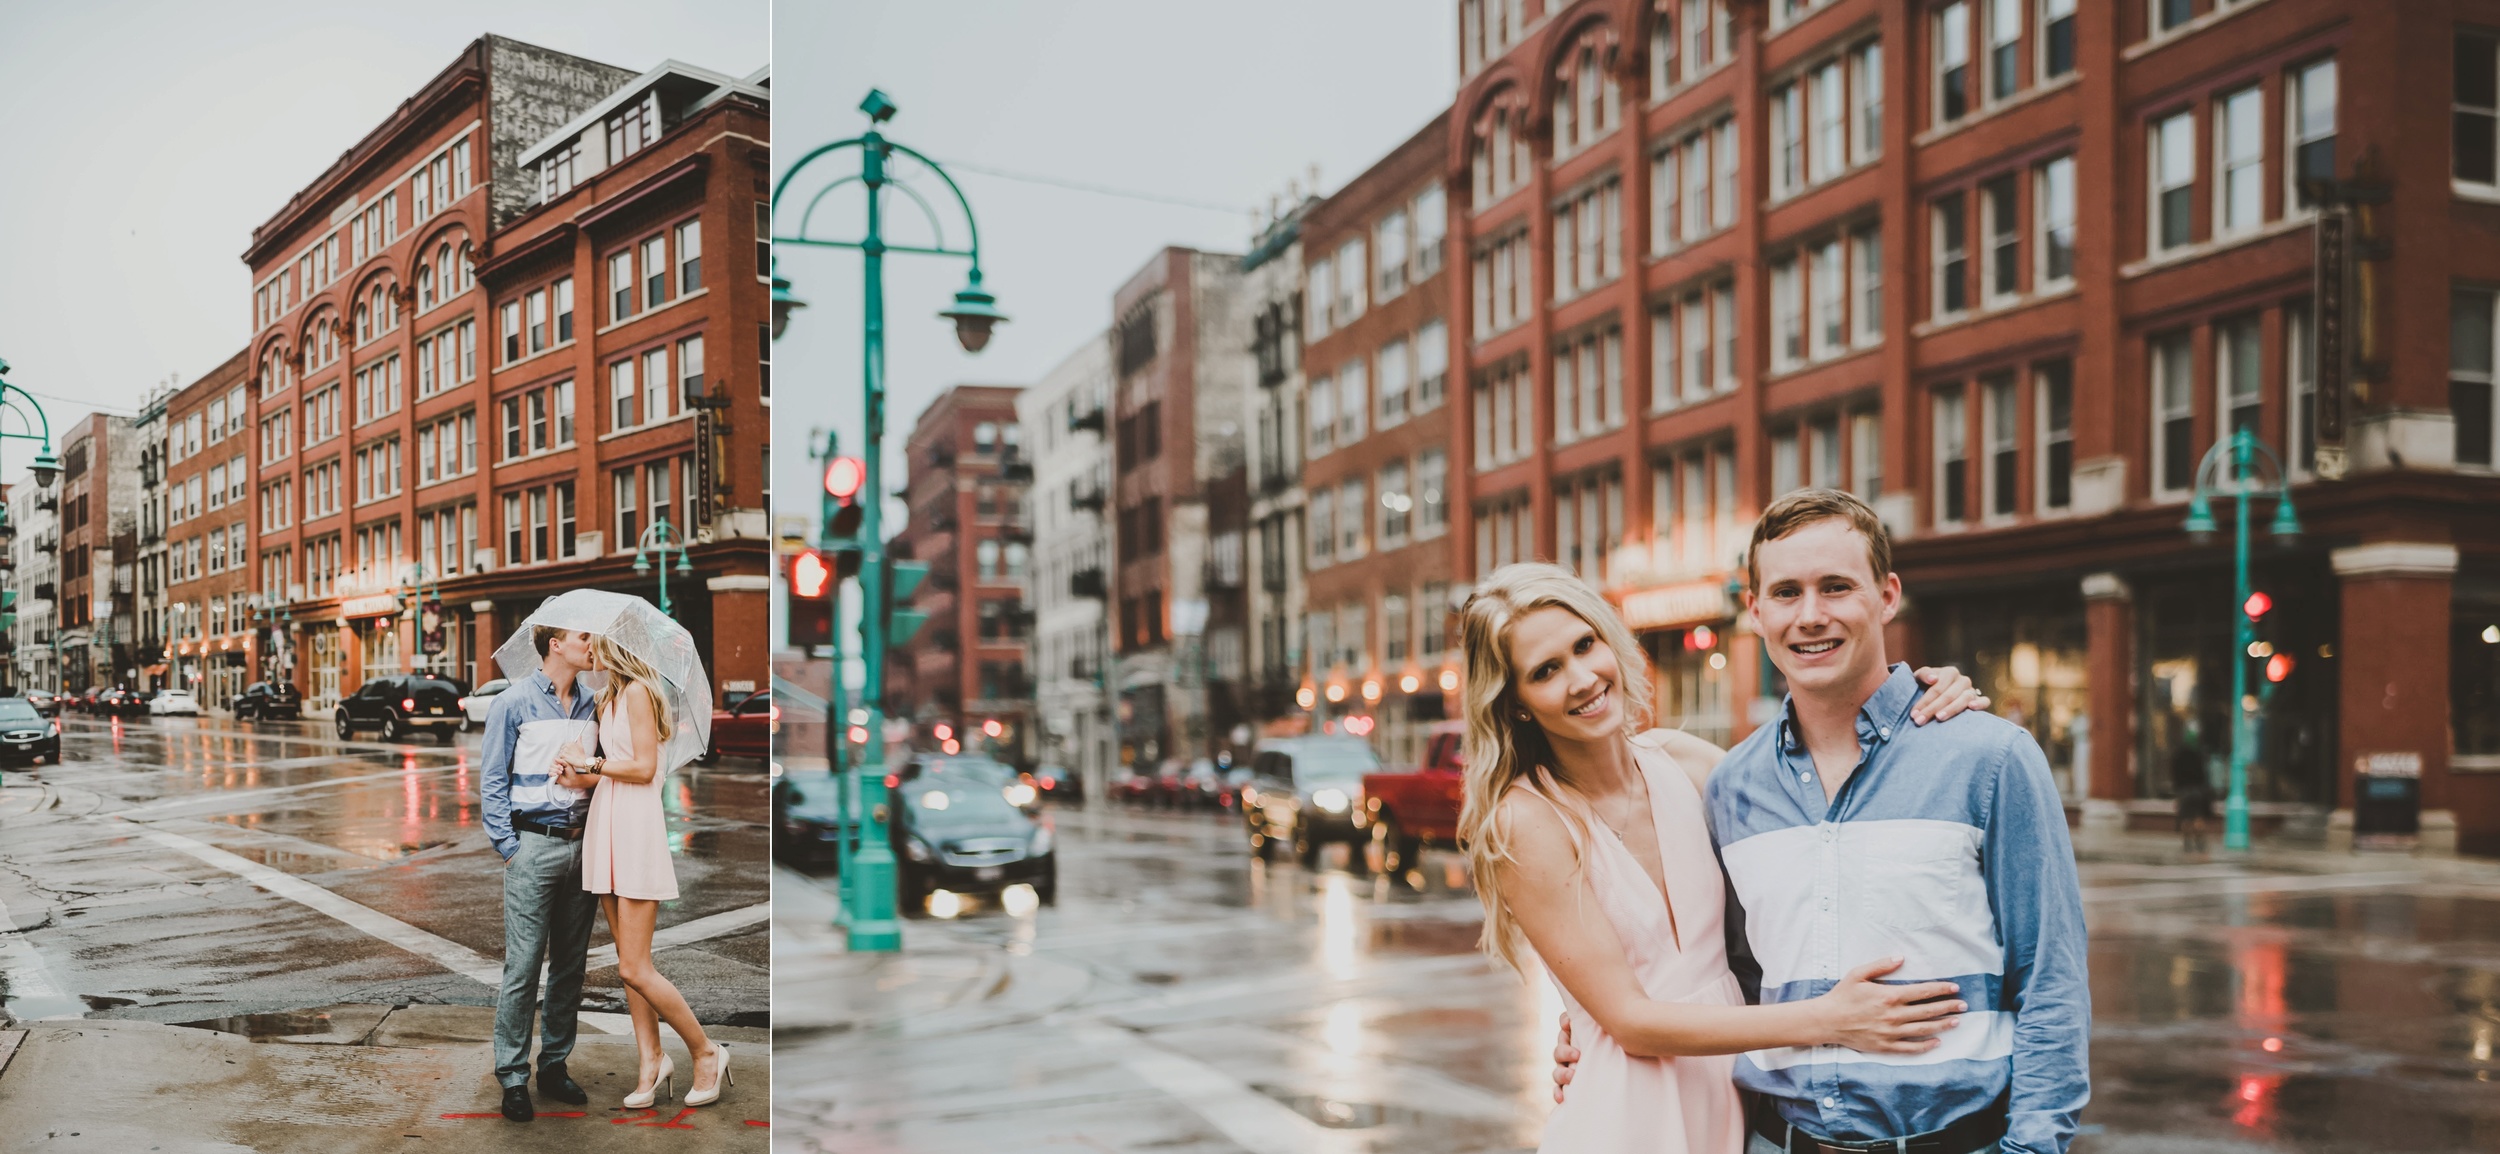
(324, 1025)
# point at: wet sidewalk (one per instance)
(349, 1079)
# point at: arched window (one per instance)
(1587, 99)
(468, 268)
(364, 324)
(1499, 156)
(425, 287)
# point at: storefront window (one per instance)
(1691, 681)
(2474, 685)
(2028, 654)
(2183, 675)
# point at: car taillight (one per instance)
(464, 705)
(408, 703)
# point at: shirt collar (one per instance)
(1883, 713)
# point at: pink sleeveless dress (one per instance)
(625, 839)
(1618, 1103)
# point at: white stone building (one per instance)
(1064, 429)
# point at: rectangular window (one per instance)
(511, 427)
(1353, 401)
(1952, 55)
(2054, 251)
(511, 331)
(1694, 319)
(1317, 291)
(2174, 182)
(1665, 391)
(1866, 271)
(1352, 292)
(1394, 383)
(1784, 464)
(538, 430)
(1829, 154)
(2242, 398)
(1695, 165)
(1321, 522)
(620, 285)
(1396, 505)
(563, 290)
(1952, 256)
(1431, 496)
(1830, 290)
(1723, 161)
(1723, 334)
(2470, 376)
(1787, 321)
(1389, 240)
(690, 367)
(1866, 118)
(621, 394)
(2004, 240)
(2240, 161)
(628, 513)
(2474, 110)
(568, 534)
(2300, 355)
(1787, 114)
(1866, 455)
(2003, 421)
(2310, 114)
(1664, 205)
(1432, 365)
(538, 328)
(2057, 38)
(2054, 404)
(689, 257)
(1952, 457)
(2005, 35)
(2174, 414)
(654, 272)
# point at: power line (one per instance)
(1099, 189)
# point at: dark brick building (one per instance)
(970, 521)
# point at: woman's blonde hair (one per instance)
(626, 669)
(1500, 749)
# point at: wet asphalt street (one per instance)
(1185, 998)
(207, 871)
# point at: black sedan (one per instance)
(26, 735)
(808, 825)
(262, 700)
(956, 831)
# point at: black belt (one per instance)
(1969, 1132)
(563, 832)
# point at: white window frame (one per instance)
(2053, 210)
(2298, 84)
(2243, 171)
(1997, 237)
(1995, 40)
(2162, 147)
(1949, 47)
(2001, 430)
(1866, 285)
(2160, 370)
(2044, 437)
(1942, 246)
(1952, 434)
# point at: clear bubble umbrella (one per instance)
(641, 629)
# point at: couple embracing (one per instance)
(608, 696)
(1892, 878)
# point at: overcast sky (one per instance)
(1211, 103)
(146, 140)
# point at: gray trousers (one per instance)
(546, 914)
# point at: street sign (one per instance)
(703, 468)
(2328, 292)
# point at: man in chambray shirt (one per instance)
(535, 822)
(1848, 833)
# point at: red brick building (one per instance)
(210, 642)
(1376, 478)
(2007, 268)
(440, 414)
(969, 664)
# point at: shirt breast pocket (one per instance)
(1914, 884)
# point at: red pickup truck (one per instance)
(1411, 809)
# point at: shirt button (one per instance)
(1805, 778)
(1830, 1103)
(1830, 832)
(1885, 732)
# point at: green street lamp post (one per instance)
(2239, 466)
(46, 467)
(869, 918)
(660, 538)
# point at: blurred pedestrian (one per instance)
(2194, 792)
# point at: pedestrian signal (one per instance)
(811, 601)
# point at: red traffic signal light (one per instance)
(844, 476)
(2257, 605)
(811, 576)
(2278, 667)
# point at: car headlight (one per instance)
(1041, 840)
(1019, 795)
(913, 849)
(1331, 800)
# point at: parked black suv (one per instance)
(401, 702)
(26, 734)
(263, 700)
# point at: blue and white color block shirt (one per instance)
(525, 728)
(1947, 847)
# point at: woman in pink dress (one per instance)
(625, 860)
(1590, 849)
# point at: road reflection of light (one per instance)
(411, 825)
(1343, 1030)
(2260, 958)
(460, 784)
(1339, 951)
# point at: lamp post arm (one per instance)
(971, 226)
(40, 416)
(783, 184)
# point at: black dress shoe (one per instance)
(556, 1084)
(516, 1104)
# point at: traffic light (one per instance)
(2257, 606)
(901, 579)
(811, 600)
(844, 477)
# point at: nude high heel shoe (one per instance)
(661, 1087)
(698, 1097)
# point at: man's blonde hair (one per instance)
(1810, 506)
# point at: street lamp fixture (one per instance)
(2240, 466)
(785, 302)
(661, 538)
(868, 876)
